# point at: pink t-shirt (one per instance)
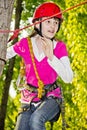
(45, 71)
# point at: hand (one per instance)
(47, 47)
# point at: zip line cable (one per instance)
(16, 32)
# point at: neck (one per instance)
(38, 43)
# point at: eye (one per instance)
(48, 21)
(56, 22)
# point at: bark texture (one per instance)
(6, 9)
(9, 72)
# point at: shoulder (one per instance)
(21, 42)
(59, 44)
(21, 46)
(60, 49)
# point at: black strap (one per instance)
(48, 88)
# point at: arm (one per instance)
(62, 68)
(10, 53)
(62, 64)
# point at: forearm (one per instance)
(62, 68)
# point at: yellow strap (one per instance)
(22, 68)
(40, 82)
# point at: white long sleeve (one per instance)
(62, 68)
(10, 53)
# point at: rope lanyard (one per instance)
(40, 82)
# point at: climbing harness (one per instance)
(42, 89)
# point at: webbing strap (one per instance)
(47, 88)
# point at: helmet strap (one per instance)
(39, 31)
(59, 25)
(40, 27)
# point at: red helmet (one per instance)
(47, 9)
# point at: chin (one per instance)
(50, 37)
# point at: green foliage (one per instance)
(29, 6)
(76, 35)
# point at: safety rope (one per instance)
(16, 32)
(40, 82)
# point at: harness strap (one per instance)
(47, 88)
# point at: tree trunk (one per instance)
(6, 8)
(9, 73)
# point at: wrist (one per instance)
(50, 58)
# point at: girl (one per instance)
(45, 60)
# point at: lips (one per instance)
(51, 31)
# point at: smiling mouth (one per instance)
(51, 31)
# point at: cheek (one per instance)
(44, 29)
(56, 27)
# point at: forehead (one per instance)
(47, 18)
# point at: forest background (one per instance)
(74, 33)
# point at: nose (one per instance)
(52, 25)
